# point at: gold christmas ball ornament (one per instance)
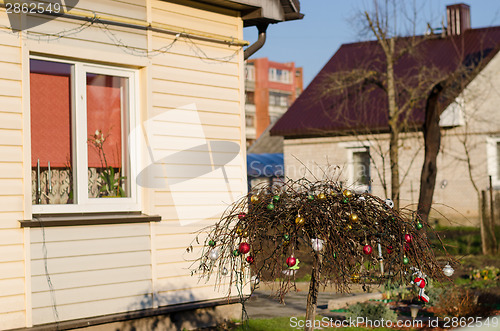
(354, 217)
(244, 234)
(239, 231)
(348, 227)
(347, 193)
(300, 220)
(322, 196)
(254, 199)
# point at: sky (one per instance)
(327, 24)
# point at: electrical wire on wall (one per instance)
(117, 41)
(47, 274)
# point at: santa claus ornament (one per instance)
(420, 283)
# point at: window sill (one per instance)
(50, 220)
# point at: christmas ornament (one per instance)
(317, 244)
(291, 261)
(300, 220)
(224, 271)
(236, 253)
(286, 237)
(420, 282)
(239, 231)
(241, 216)
(276, 198)
(334, 255)
(347, 193)
(250, 259)
(296, 266)
(367, 249)
(406, 247)
(348, 227)
(361, 198)
(406, 260)
(211, 243)
(419, 226)
(389, 249)
(310, 197)
(254, 199)
(353, 217)
(270, 206)
(389, 203)
(289, 272)
(408, 238)
(244, 234)
(244, 248)
(322, 196)
(355, 278)
(213, 254)
(345, 200)
(448, 270)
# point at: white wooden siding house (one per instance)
(121, 135)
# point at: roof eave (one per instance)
(255, 12)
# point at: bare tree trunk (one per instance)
(393, 124)
(492, 220)
(432, 142)
(312, 296)
(482, 221)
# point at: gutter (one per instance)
(141, 25)
(259, 43)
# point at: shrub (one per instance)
(457, 302)
(371, 311)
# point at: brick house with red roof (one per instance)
(345, 130)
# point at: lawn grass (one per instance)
(459, 240)
(284, 324)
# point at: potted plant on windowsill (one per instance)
(109, 178)
(111, 183)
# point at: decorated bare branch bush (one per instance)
(353, 238)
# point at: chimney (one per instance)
(458, 19)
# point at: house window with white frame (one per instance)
(359, 166)
(493, 154)
(82, 116)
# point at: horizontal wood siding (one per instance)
(94, 270)
(197, 100)
(12, 275)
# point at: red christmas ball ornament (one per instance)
(367, 249)
(389, 249)
(406, 247)
(244, 248)
(242, 215)
(408, 238)
(250, 259)
(291, 261)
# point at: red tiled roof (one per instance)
(316, 113)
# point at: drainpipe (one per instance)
(259, 43)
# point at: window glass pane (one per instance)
(361, 162)
(51, 133)
(106, 123)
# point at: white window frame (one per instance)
(250, 72)
(350, 168)
(285, 76)
(272, 74)
(79, 129)
(493, 159)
